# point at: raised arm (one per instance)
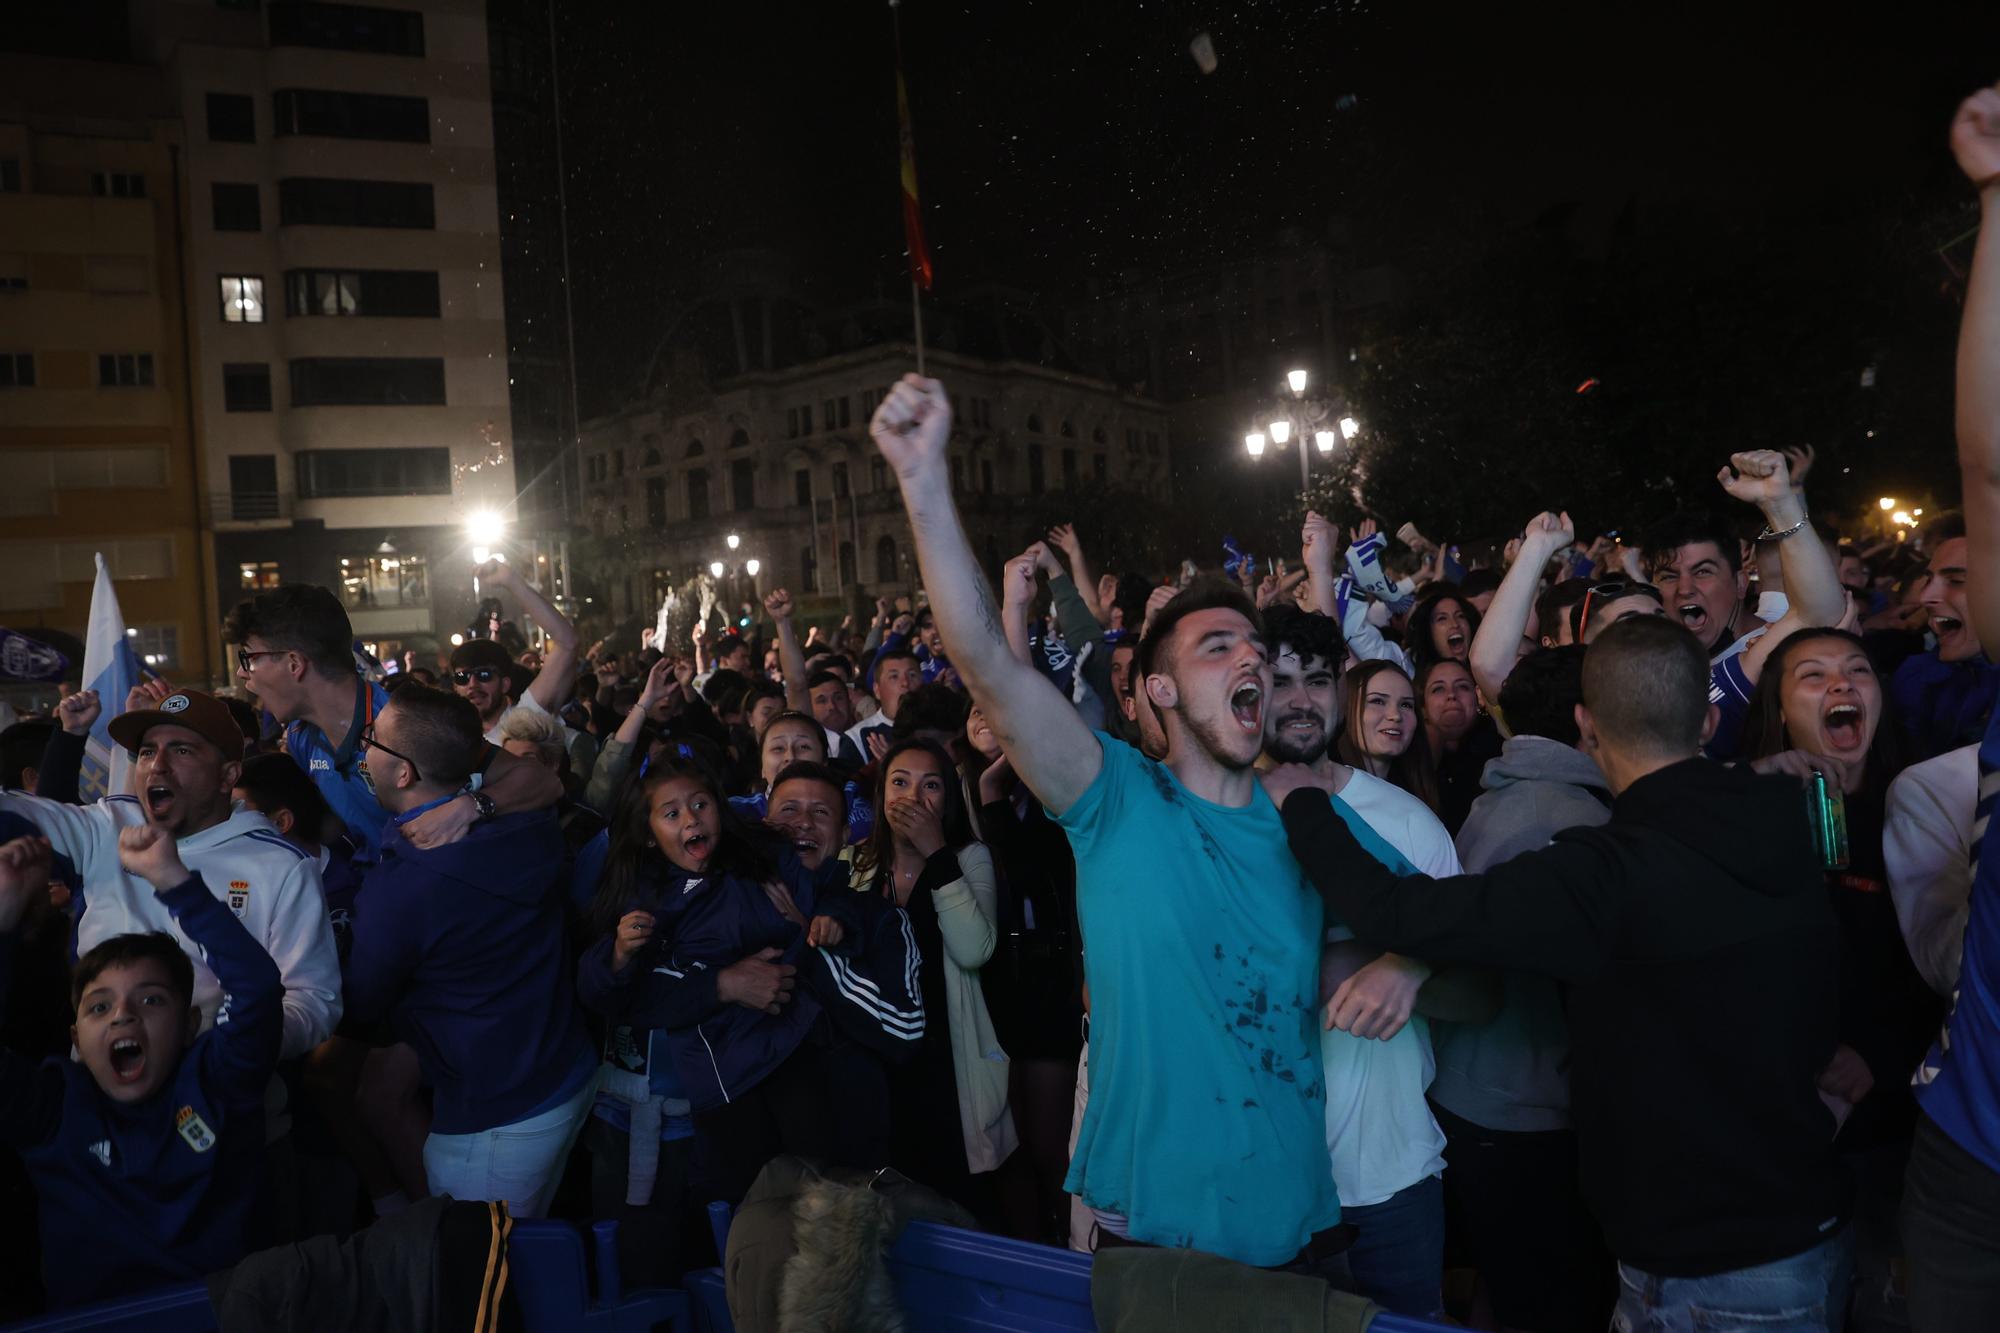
(1497, 645)
(1063, 537)
(1975, 139)
(1813, 593)
(791, 657)
(1017, 593)
(1050, 748)
(1319, 542)
(552, 684)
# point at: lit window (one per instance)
(242, 300)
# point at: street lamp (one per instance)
(1254, 442)
(751, 567)
(1349, 427)
(1886, 503)
(1297, 380)
(1299, 419)
(715, 568)
(733, 541)
(1281, 431)
(1324, 439)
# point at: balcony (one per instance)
(248, 506)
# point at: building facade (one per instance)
(98, 427)
(343, 285)
(782, 460)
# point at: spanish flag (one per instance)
(913, 217)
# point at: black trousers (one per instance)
(828, 1101)
(1951, 1235)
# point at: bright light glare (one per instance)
(1254, 442)
(457, 639)
(485, 527)
(751, 567)
(1886, 504)
(733, 540)
(1324, 439)
(715, 568)
(1903, 519)
(1297, 379)
(1349, 427)
(1281, 431)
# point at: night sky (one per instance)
(1059, 141)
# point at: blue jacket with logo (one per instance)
(136, 1194)
(703, 924)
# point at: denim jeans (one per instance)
(1397, 1259)
(1951, 1235)
(1805, 1292)
(520, 1163)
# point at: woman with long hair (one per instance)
(789, 738)
(951, 1125)
(1459, 733)
(1381, 726)
(1440, 628)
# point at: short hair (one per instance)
(1478, 582)
(539, 729)
(125, 950)
(723, 682)
(897, 654)
(21, 747)
(1541, 693)
(246, 717)
(1945, 527)
(1645, 682)
(1667, 537)
(728, 644)
(1552, 607)
(301, 618)
(276, 782)
(1204, 594)
(931, 707)
(824, 676)
(805, 770)
(924, 616)
(440, 732)
(481, 653)
(1307, 633)
(761, 689)
(792, 717)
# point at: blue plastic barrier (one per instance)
(550, 1279)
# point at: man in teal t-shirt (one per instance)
(1206, 1121)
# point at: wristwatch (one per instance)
(484, 805)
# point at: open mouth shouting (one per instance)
(1846, 727)
(1454, 643)
(160, 800)
(128, 1060)
(1694, 616)
(697, 845)
(1246, 705)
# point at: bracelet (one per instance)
(1770, 535)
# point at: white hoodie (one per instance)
(272, 886)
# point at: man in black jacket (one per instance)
(1700, 953)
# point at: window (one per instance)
(312, 201)
(885, 560)
(258, 575)
(246, 387)
(656, 502)
(10, 175)
(617, 462)
(253, 486)
(383, 578)
(125, 370)
(235, 207)
(1034, 469)
(1100, 468)
(1097, 435)
(242, 300)
(739, 439)
(829, 414)
(806, 420)
(840, 481)
(808, 570)
(365, 381)
(694, 449)
(1069, 469)
(158, 646)
(1069, 430)
(335, 115)
(389, 32)
(791, 423)
(117, 185)
(802, 487)
(841, 403)
(232, 118)
(333, 474)
(878, 473)
(742, 485)
(392, 293)
(17, 370)
(698, 493)
(1034, 423)
(849, 574)
(986, 475)
(1152, 444)
(652, 454)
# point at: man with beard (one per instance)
(1946, 695)
(188, 754)
(1206, 1121)
(1387, 1150)
(479, 667)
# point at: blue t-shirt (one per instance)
(1206, 1124)
(1729, 689)
(337, 771)
(1958, 1084)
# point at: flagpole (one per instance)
(916, 296)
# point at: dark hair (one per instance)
(897, 654)
(824, 677)
(125, 950)
(1413, 770)
(722, 682)
(728, 644)
(1945, 527)
(301, 618)
(931, 707)
(275, 782)
(1552, 607)
(924, 616)
(481, 653)
(879, 851)
(760, 689)
(440, 732)
(1478, 582)
(1596, 599)
(1307, 633)
(1645, 682)
(1764, 730)
(246, 717)
(805, 770)
(1541, 693)
(635, 864)
(1686, 528)
(1134, 591)
(1204, 594)
(21, 747)
(1417, 636)
(792, 716)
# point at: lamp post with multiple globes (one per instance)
(1300, 417)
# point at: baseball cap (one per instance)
(205, 715)
(475, 653)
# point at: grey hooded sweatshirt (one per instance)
(1512, 1072)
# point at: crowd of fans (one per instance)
(1601, 921)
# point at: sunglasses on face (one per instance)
(484, 675)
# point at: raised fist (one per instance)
(1975, 137)
(496, 572)
(778, 603)
(24, 872)
(913, 425)
(1017, 578)
(79, 712)
(148, 851)
(1319, 540)
(1760, 476)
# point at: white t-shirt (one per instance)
(527, 703)
(1379, 1129)
(1927, 846)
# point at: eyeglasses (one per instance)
(246, 658)
(484, 675)
(1610, 591)
(368, 742)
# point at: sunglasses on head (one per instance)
(1610, 591)
(484, 675)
